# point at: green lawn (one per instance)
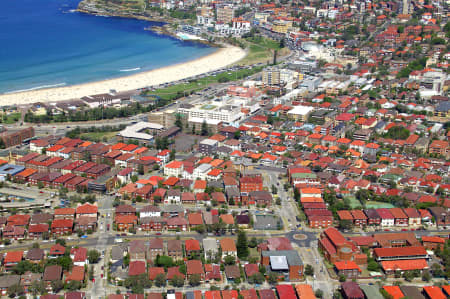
(378, 205)
(98, 136)
(179, 90)
(253, 253)
(260, 50)
(11, 118)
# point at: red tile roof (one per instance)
(400, 251)
(394, 291)
(13, 257)
(136, 268)
(346, 265)
(404, 265)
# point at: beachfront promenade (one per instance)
(221, 58)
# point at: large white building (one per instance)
(217, 110)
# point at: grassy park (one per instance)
(183, 89)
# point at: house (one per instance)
(125, 223)
(192, 247)
(136, 268)
(86, 210)
(174, 168)
(400, 218)
(35, 255)
(79, 256)
(77, 274)
(232, 272)
(155, 271)
(62, 226)
(387, 219)
(28, 278)
(373, 218)
(177, 223)
(210, 248)
(57, 250)
(195, 219)
(351, 290)
(125, 210)
(175, 249)
(155, 248)
(348, 269)
(413, 215)
(433, 242)
(7, 281)
(228, 247)
(150, 211)
(64, 213)
(286, 291)
(11, 259)
(195, 267)
(173, 197)
(137, 250)
(52, 273)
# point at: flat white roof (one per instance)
(134, 131)
(301, 110)
(279, 263)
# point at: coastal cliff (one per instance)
(120, 9)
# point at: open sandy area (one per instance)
(219, 59)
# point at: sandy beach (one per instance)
(219, 59)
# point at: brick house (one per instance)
(348, 269)
(62, 226)
(125, 223)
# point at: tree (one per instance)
(138, 283)
(253, 242)
(178, 121)
(373, 266)
(204, 131)
(272, 278)
(194, 280)
(61, 242)
(74, 285)
(229, 260)
(15, 290)
(177, 281)
(164, 261)
(93, 256)
(345, 224)
(141, 169)
(342, 278)
(426, 276)
(274, 189)
(57, 285)
(256, 278)
(309, 270)
(319, 293)
(38, 287)
(160, 280)
(242, 246)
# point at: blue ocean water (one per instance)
(45, 43)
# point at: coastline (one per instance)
(221, 58)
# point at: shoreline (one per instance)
(221, 58)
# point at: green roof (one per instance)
(304, 175)
(371, 292)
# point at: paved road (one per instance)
(97, 290)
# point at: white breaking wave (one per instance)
(130, 70)
(38, 87)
